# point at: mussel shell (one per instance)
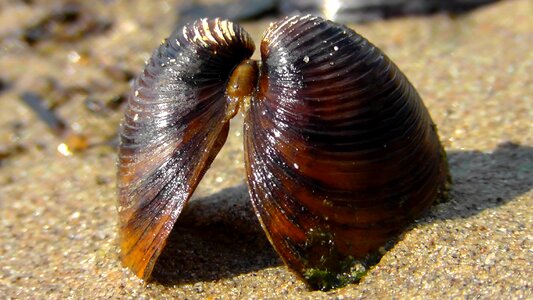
(341, 153)
(175, 123)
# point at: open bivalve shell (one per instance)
(341, 153)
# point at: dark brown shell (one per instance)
(340, 151)
(175, 123)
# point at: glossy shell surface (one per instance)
(175, 123)
(341, 153)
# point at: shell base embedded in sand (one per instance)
(340, 152)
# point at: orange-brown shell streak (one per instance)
(174, 125)
(340, 152)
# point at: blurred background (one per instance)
(66, 69)
(71, 62)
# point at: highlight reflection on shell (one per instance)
(340, 151)
(174, 125)
(340, 148)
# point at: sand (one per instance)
(58, 236)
